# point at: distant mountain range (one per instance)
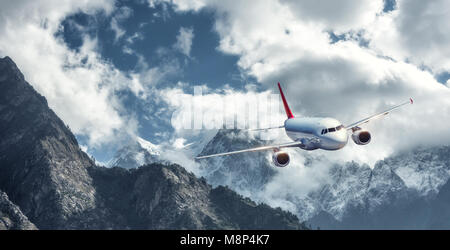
(404, 191)
(48, 182)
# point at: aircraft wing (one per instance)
(265, 129)
(284, 145)
(378, 115)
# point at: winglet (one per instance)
(286, 106)
(411, 100)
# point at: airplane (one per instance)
(311, 133)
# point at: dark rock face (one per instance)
(42, 168)
(57, 186)
(161, 196)
(11, 218)
(248, 214)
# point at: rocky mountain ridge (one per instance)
(11, 218)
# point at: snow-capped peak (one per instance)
(136, 154)
(150, 147)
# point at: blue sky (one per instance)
(207, 65)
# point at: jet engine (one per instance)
(280, 159)
(361, 137)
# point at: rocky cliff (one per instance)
(11, 218)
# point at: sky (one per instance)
(117, 70)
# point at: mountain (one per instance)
(400, 192)
(135, 154)
(47, 178)
(161, 196)
(42, 168)
(404, 191)
(440, 213)
(11, 217)
(139, 152)
(246, 173)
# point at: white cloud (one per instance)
(293, 183)
(118, 31)
(120, 15)
(180, 5)
(184, 41)
(417, 31)
(340, 16)
(79, 86)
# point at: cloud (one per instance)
(340, 16)
(184, 41)
(417, 32)
(79, 85)
(290, 186)
(119, 16)
(183, 5)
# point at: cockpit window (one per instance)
(326, 130)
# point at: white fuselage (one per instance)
(315, 133)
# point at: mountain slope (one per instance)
(247, 172)
(43, 170)
(11, 217)
(161, 196)
(57, 186)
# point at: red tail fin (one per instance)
(286, 106)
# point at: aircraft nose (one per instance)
(341, 138)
